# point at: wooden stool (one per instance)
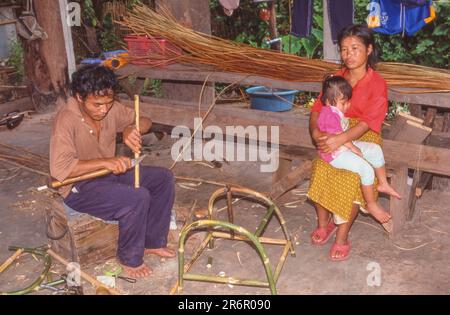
(79, 237)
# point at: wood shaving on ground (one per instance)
(204, 164)
(413, 248)
(191, 184)
(186, 187)
(374, 226)
(434, 230)
(293, 202)
(238, 254)
(233, 202)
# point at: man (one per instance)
(83, 140)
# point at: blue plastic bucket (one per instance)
(274, 100)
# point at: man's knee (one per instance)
(141, 195)
(169, 177)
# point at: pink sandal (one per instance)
(324, 234)
(344, 249)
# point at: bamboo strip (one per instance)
(202, 49)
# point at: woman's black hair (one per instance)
(365, 34)
(93, 79)
(334, 87)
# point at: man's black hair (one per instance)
(93, 79)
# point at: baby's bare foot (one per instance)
(378, 213)
(387, 189)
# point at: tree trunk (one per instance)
(45, 61)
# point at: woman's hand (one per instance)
(320, 139)
(118, 165)
(132, 138)
(332, 143)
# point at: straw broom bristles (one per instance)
(230, 56)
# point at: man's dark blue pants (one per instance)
(143, 214)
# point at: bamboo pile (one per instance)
(225, 55)
(23, 158)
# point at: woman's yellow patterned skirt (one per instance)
(335, 189)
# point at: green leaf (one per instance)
(319, 20)
(295, 44)
(318, 34)
(441, 30)
(423, 46)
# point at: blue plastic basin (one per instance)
(274, 100)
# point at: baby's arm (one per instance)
(354, 148)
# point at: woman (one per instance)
(337, 192)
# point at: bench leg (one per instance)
(399, 207)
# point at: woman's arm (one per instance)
(333, 142)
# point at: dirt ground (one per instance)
(414, 263)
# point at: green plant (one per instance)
(152, 87)
(311, 46)
(395, 108)
(16, 59)
(108, 38)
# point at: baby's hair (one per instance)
(335, 87)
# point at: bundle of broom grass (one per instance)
(230, 56)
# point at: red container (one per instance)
(160, 48)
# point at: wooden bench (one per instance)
(80, 237)
(405, 128)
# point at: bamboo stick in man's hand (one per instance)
(136, 154)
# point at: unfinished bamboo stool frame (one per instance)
(236, 233)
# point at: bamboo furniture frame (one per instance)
(237, 233)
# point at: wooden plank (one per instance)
(199, 74)
(399, 207)
(408, 128)
(293, 131)
(8, 21)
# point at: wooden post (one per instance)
(68, 42)
(399, 207)
(273, 25)
(45, 61)
(194, 14)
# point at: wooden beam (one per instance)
(293, 131)
(199, 74)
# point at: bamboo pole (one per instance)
(84, 275)
(71, 180)
(136, 154)
(10, 260)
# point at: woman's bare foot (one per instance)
(387, 189)
(142, 271)
(164, 252)
(378, 213)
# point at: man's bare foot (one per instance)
(164, 252)
(142, 271)
(378, 213)
(387, 189)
